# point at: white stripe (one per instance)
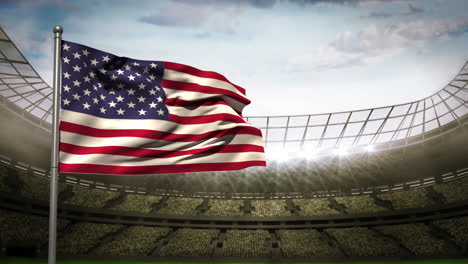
(193, 96)
(150, 124)
(145, 143)
(202, 110)
(114, 160)
(188, 78)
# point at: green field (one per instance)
(44, 261)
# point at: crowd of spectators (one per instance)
(188, 242)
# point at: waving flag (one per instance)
(126, 116)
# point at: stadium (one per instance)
(377, 184)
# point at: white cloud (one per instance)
(372, 44)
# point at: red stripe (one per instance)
(196, 103)
(193, 120)
(194, 71)
(193, 87)
(151, 153)
(162, 169)
(154, 134)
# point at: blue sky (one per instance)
(293, 57)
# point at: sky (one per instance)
(292, 56)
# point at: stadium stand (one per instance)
(37, 188)
(81, 237)
(454, 191)
(190, 243)
(363, 242)
(269, 208)
(303, 243)
(417, 238)
(457, 228)
(360, 204)
(133, 241)
(218, 207)
(137, 203)
(413, 198)
(16, 227)
(317, 206)
(3, 182)
(91, 198)
(181, 206)
(247, 244)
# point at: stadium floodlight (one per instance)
(341, 151)
(370, 148)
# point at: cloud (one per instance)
(59, 4)
(414, 10)
(372, 44)
(193, 14)
(346, 2)
(178, 15)
(378, 14)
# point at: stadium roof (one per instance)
(339, 131)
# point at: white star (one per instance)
(86, 79)
(136, 63)
(95, 100)
(157, 88)
(145, 70)
(76, 83)
(100, 84)
(113, 77)
(148, 80)
(142, 112)
(111, 91)
(152, 105)
(76, 55)
(66, 60)
(152, 92)
(103, 110)
(120, 98)
(131, 77)
(66, 102)
(103, 97)
(106, 58)
(66, 75)
(87, 92)
(120, 111)
(85, 52)
(66, 47)
(159, 99)
(120, 86)
(152, 77)
(120, 72)
(160, 112)
(127, 67)
(94, 62)
(138, 74)
(131, 105)
(112, 104)
(92, 74)
(77, 68)
(86, 106)
(142, 86)
(153, 65)
(95, 87)
(103, 71)
(66, 88)
(76, 97)
(141, 99)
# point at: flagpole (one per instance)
(55, 143)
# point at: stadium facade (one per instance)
(379, 183)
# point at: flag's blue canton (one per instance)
(108, 86)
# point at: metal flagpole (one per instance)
(55, 143)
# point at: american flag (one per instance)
(127, 116)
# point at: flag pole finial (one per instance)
(58, 29)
